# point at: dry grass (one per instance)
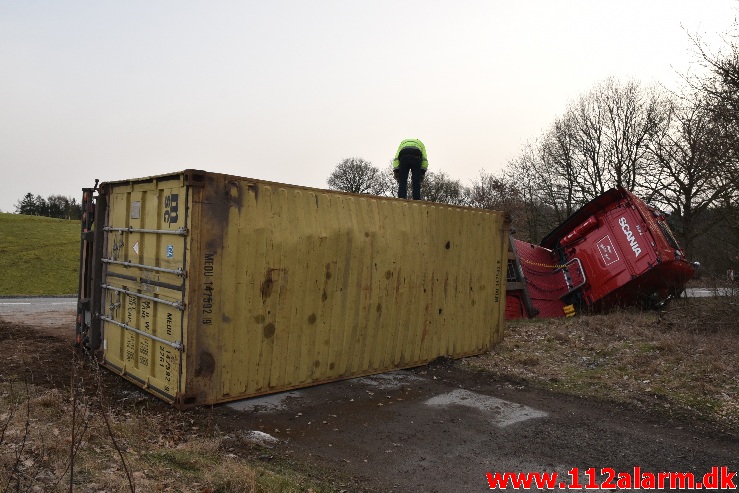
(122, 448)
(683, 360)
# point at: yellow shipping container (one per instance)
(214, 288)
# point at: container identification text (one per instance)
(207, 298)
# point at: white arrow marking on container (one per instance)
(136, 247)
(504, 413)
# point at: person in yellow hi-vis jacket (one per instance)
(410, 157)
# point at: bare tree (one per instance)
(439, 187)
(57, 205)
(602, 141)
(559, 157)
(635, 116)
(387, 177)
(721, 87)
(356, 175)
(613, 126)
(691, 163)
(721, 91)
(539, 188)
(589, 125)
(496, 192)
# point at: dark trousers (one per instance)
(417, 174)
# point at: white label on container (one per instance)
(170, 251)
(136, 210)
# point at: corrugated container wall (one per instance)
(218, 288)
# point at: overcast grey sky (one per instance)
(283, 90)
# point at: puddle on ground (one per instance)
(266, 403)
(502, 413)
(260, 437)
(389, 381)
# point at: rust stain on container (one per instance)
(219, 288)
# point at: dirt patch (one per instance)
(440, 427)
(55, 402)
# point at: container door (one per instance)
(143, 283)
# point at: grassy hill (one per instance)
(38, 255)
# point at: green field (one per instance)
(38, 255)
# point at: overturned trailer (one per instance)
(203, 288)
(614, 251)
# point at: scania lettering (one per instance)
(629, 236)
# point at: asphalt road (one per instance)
(35, 305)
(707, 292)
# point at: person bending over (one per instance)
(410, 158)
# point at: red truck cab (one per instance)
(614, 251)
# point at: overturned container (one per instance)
(204, 288)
